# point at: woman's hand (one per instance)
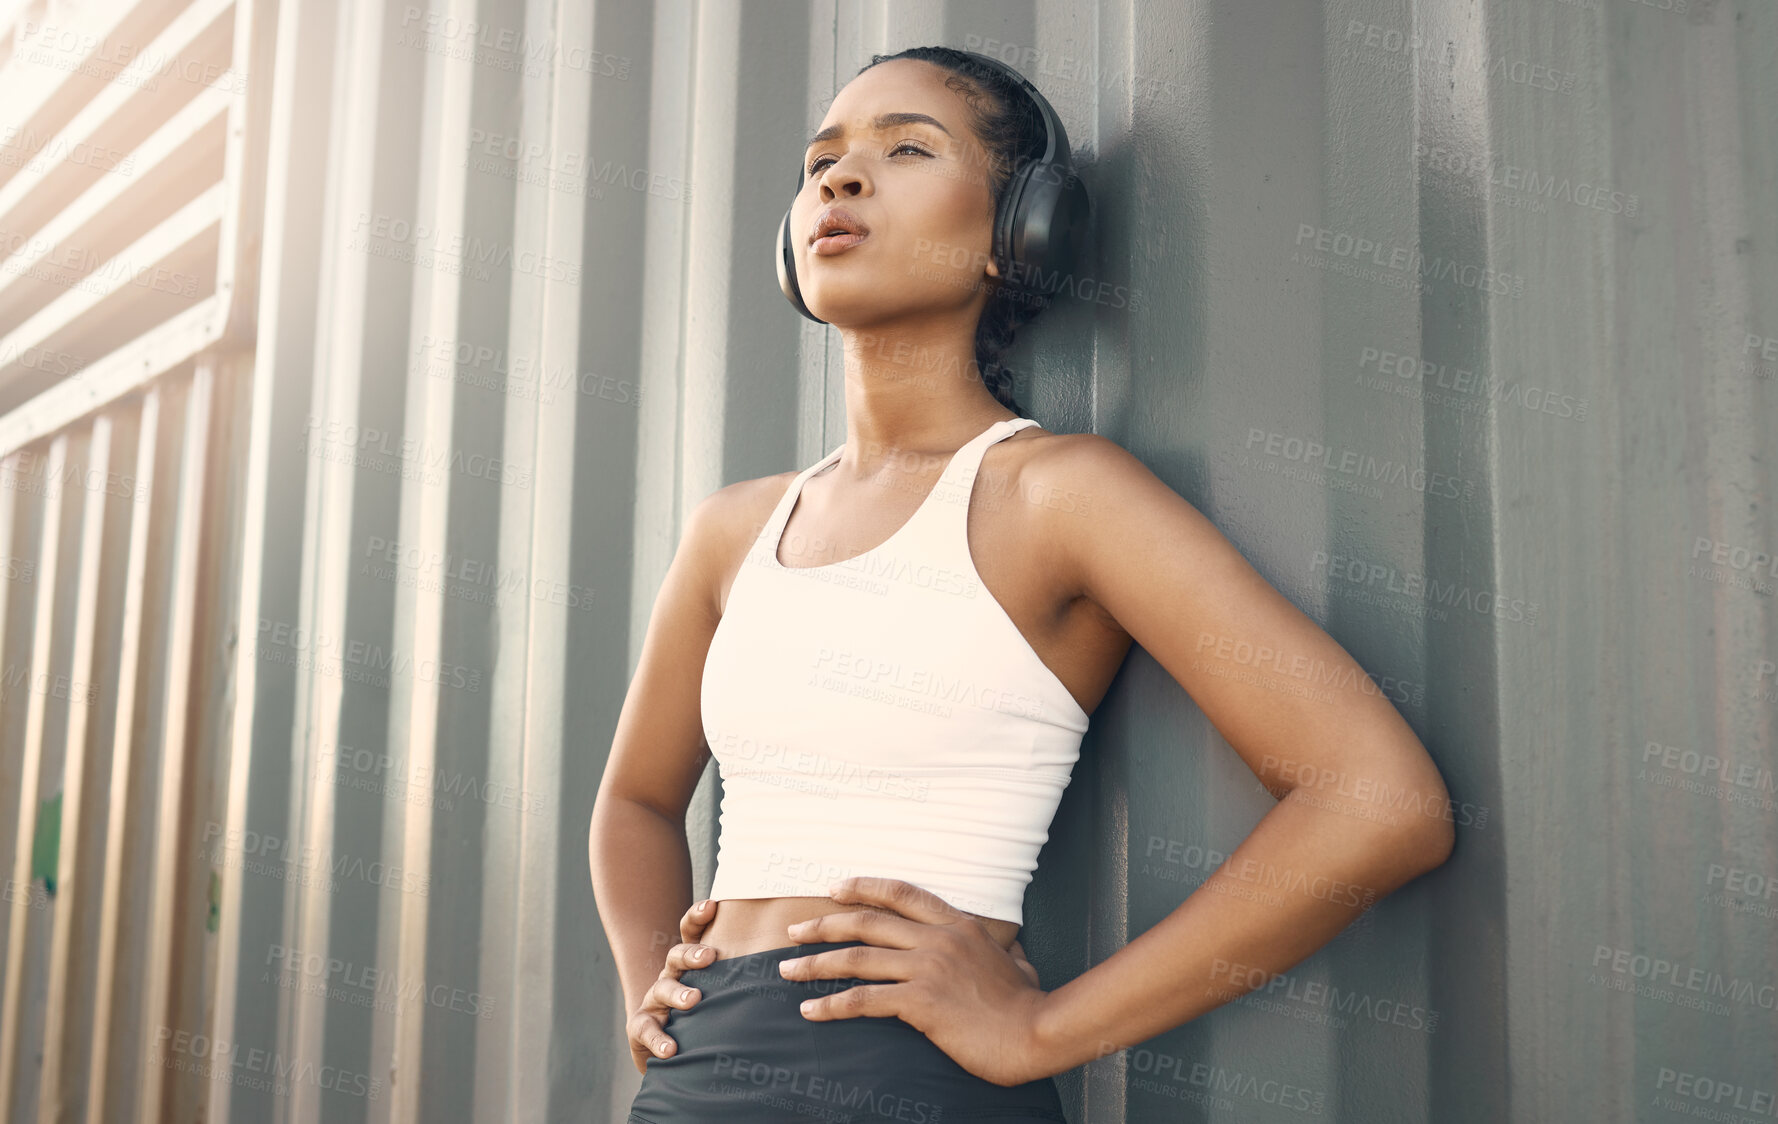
(647, 1026)
(955, 985)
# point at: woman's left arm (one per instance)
(1363, 809)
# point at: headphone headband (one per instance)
(1054, 136)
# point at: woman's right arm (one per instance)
(641, 865)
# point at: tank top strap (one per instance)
(950, 498)
(781, 514)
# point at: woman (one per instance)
(900, 647)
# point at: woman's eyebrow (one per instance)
(883, 121)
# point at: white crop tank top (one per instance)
(882, 715)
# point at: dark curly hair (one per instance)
(1009, 127)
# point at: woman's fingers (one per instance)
(861, 961)
(877, 926)
(647, 1028)
(669, 992)
(696, 920)
(648, 1039)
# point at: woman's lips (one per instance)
(837, 243)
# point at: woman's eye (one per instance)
(820, 161)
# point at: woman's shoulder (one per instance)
(1080, 484)
(1041, 459)
(736, 509)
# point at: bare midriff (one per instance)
(747, 925)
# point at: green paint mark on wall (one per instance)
(46, 846)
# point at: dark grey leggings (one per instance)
(746, 1055)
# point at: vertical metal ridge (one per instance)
(20, 950)
(118, 989)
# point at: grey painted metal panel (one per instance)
(404, 518)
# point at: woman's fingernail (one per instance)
(786, 966)
(684, 994)
(700, 954)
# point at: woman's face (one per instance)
(921, 189)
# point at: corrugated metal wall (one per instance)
(359, 361)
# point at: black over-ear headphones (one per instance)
(1040, 225)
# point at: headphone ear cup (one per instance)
(1046, 225)
(786, 262)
